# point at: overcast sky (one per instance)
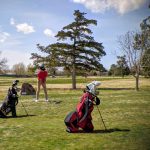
(25, 23)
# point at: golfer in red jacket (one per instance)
(41, 74)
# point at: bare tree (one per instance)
(31, 70)
(133, 53)
(3, 66)
(19, 69)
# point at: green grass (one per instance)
(126, 114)
(58, 80)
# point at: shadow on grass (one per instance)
(115, 89)
(56, 102)
(51, 102)
(104, 131)
(84, 89)
(20, 116)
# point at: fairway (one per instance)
(126, 114)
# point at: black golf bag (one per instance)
(10, 102)
(27, 89)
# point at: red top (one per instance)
(42, 74)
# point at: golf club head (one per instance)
(15, 82)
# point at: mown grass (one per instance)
(126, 114)
(59, 80)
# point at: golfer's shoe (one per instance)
(46, 100)
(36, 100)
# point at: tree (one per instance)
(146, 63)
(19, 69)
(50, 61)
(31, 70)
(80, 51)
(3, 66)
(122, 66)
(133, 53)
(113, 70)
(144, 43)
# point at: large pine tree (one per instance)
(80, 51)
(77, 50)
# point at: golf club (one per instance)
(24, 108)
(101, 117)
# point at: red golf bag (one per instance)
(81, 117)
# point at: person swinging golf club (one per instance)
(81, 117)
(42, 74)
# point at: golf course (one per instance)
(40, 125)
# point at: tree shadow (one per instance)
(104, 131)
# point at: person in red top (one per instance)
(41, 74)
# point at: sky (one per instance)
(25, 23)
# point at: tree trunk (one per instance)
(137, 83)
(74, 68)
(74, 77)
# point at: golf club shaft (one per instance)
(24, 108)
(101, 118)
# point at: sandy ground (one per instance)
(130, 83)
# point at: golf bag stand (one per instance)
(101, 118)
(24, 106)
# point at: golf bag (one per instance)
(81, 117)
(27, 89)
(9, 104)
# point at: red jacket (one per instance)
(42, 75)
